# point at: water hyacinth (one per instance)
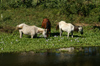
(50, 39)
(11, 42)
(75, 39)
(55, 36)
(71, 40)
(40, 36)
(78, 41)
(47, 44)
(46, 40)
(82, 38)
(2, 42)
(1, 16)
(62, 38)
(16, 40)
(53, 44)
(1, 48)
(58, 40)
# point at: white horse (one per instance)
(68, 27)
(30, 30)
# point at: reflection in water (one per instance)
(69, 49)
(89, 57)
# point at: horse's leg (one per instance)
(20, 33)
(47, 33)
(32, 35)
(50, 33)
(68, 35)
(35, 35)
(60, 32)
(72, 34)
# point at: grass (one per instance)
(10, 41)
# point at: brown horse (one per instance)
(47, 25)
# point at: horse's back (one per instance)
(46, 23)
(63, 24)
(29, 29)
(46, 20)
(66, 26)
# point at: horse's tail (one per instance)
(57, 26)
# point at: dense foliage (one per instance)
(70, 8)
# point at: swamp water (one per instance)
(87, 56)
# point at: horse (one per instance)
(78, 29)
(47, 25)
(68, 27)
(30, 30)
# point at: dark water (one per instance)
(89, 56)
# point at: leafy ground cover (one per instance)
(10, 42)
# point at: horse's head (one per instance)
(80, 28)
(45, 33)
(20, 26)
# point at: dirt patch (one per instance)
(7, 29)
(81, 24)
(94, 25)
(84, 24)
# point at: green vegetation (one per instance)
(32, 12)
(12, 42)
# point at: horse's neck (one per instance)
(40, 30)
(76, 28)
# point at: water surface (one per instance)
(88, 56)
